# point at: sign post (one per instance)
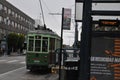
(85, 41)
(60, 55)
(65, 25)
(94, 66)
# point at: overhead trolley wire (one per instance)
(53, 17)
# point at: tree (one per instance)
(12, 40)
(21, 39)
(15, 41)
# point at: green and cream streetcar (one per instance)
(41, 45)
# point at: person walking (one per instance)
(3, 49)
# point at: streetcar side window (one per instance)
(45, 44)
(30, 44)
(37, 43)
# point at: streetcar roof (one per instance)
(46, 32)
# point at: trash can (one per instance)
(72, 70)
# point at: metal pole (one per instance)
(76, 39)
(76, 35)
(85, 41)
(60, 55)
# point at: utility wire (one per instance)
(53, 17)
(42, 12)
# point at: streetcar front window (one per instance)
(30, 47)
(31, 43)
(37, 45)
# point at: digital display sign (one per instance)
(105, 58)
(109, 23)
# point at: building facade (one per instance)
(13, 20)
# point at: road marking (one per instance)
(3, 60)
(22, 62)
(12, 61)
(11, 71)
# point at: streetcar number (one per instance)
(36, 61)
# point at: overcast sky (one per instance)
(32, 8)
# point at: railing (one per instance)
(67, 54)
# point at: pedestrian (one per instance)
(3, 49)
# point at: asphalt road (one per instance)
(13, 68)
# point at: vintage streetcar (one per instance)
(41, 46)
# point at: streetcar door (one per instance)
(51, 49)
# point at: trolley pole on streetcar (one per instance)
(85, 41)
(60, 55)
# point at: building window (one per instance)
(9, 11)
(5, 8)
(12, 13)
(16, 15)
(13, 23)
(0, 18)
(8, 22)
(5, 20)
(21, 18)
(22, 27)
(1, 6)
(18, 25)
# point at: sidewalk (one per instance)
(15, 54)
(12, 54)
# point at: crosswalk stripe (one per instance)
(22, 62)
(12, 61)
(3, 60)
(10, 72)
